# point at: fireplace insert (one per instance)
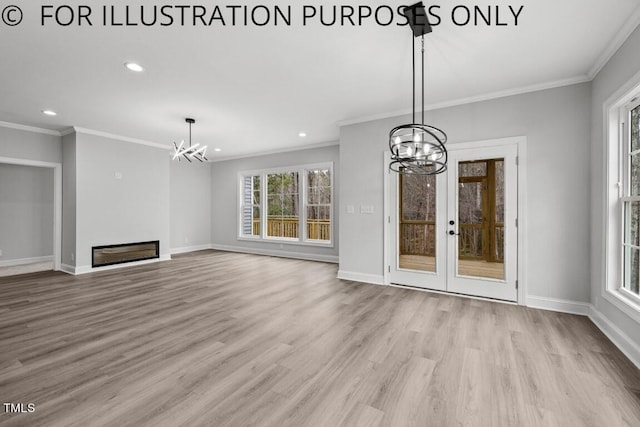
(124, 252)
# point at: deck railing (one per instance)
(471, 244)
(317, 229)
(418, 238)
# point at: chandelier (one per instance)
(417, 148)
(189, 152)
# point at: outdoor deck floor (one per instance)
(492, 270)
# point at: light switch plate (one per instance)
(366, 209)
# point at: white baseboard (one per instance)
(24, 261)
(561, 305)
(187, 249)
(66, 268)
(374, 279)
(282, 254)
(617, 336)
(84, 269)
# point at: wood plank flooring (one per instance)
(222, 339)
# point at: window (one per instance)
(282, 205)
(250, 208)
(298, 202)
(318, 204)
(631, 198)
(622, 221)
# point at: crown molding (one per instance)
(277, 151)
(470, 100)
(68, 131)
(84, 131)
(29, 128)
(623, 34)
(76, 129)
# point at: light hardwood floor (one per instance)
(221, 339)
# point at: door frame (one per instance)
(57, 201)
(521, 143)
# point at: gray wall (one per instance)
(130, 209)
(26, 212)
(620, 69)
(190, 205)
(556, 123)
(99, 209)
(20, 144)
(68, 200)
(224, 201)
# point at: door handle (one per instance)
(453, 233)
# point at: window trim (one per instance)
(626, 198)
(615, 113)
(302, 240)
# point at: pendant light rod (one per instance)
(413, 77)
(423, 79)
(190, 121)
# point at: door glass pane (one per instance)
(481, 219)
(470, 219)
(498, 248)
(417, 244)
(472, 168)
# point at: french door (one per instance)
(456, 232)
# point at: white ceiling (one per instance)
(253, 89)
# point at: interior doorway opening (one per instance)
(26, 265)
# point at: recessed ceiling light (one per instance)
(217, 150)
(49, 112)
(132, 66)
(302, 134)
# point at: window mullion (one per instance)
(629, 245)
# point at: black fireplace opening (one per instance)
(124, 252)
